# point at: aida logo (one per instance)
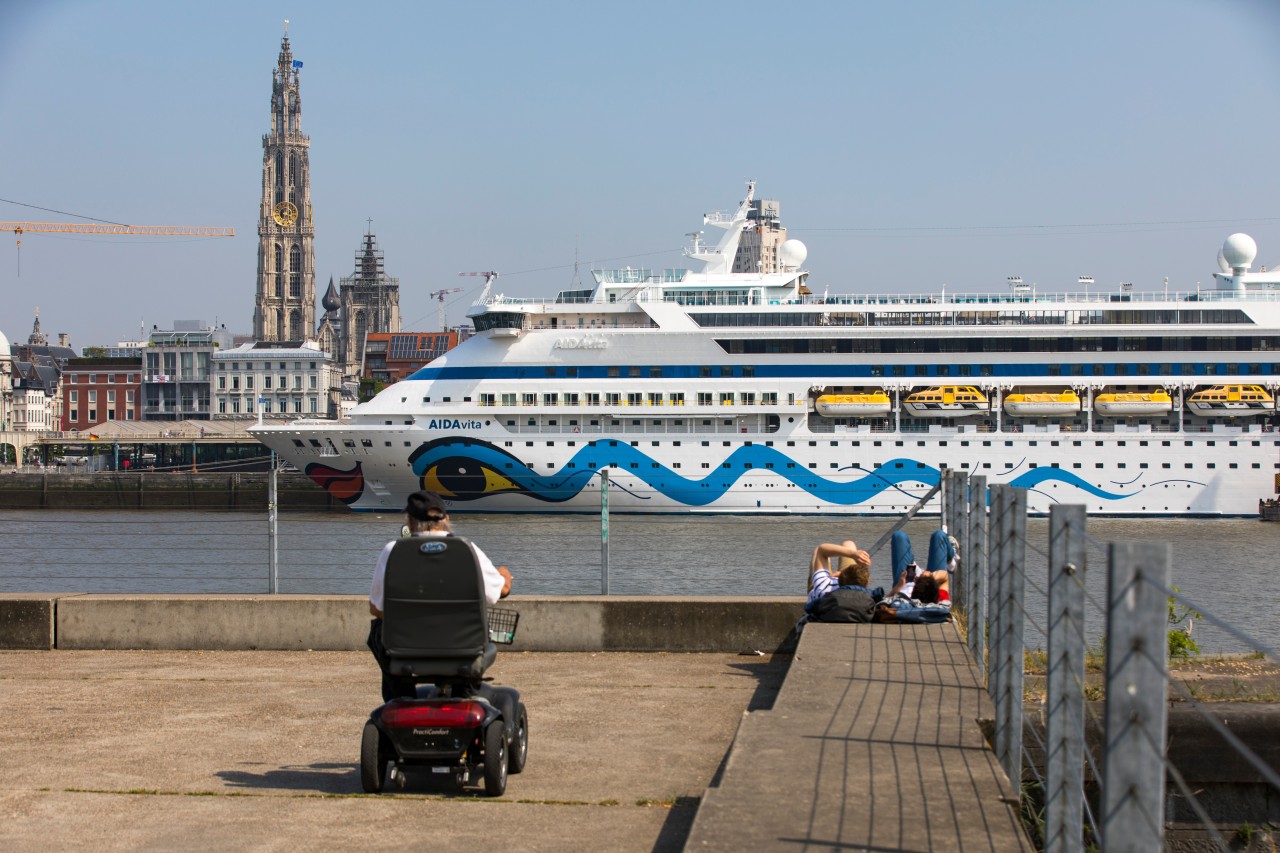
(584, 342)
(453, 423)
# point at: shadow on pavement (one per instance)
(326, 778)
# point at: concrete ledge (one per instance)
(26, 620)
(341, 622)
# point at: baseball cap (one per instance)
(425, 506)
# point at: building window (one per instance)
(74, 397)
(93, 396)
(111, 395)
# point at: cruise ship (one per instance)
(720, 391)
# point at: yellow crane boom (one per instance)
(20, 228)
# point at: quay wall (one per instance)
(341, 622)
(166, 490)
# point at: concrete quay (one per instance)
(254, 750)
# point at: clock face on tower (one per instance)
(285, 213)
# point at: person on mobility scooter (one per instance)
(433, 636)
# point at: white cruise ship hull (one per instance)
(700, 391)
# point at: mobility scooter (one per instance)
(440, 634)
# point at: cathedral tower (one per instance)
(370, 303)
(285, 307)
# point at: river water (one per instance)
(1225, 566)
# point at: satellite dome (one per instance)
(4, 347)
(1239, 251)
(792, 254)
(1222, 263)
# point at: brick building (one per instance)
(96, 390)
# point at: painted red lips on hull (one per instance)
(345, 486)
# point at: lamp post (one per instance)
(1084, 281)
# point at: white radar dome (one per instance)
(1222, 263)
(4, 347)
(792, 254)
(1239, 251)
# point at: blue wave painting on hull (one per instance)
(467, 469)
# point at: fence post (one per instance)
(1133, 785)
(960, 530)
(273, 536)
(604, 531)
(995, 594)
(1009, 645)
(1064, 728)
(973, 570)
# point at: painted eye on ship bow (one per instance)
(463, 478)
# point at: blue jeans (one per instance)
(940, 553)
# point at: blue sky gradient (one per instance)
(911, 144)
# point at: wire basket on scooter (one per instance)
(502, 624)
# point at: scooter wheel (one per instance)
(495, 759)
(373, 760)
(519, 749)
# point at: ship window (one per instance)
(675, 465)
(706, 464)
(1188, 465)
(877, 444)
(633, 372)
(877, 370)
(346, 442)
(1210, 443)
(706, 444)
(897, 465)
(1008, 444)
(673, 444)
(387, 443)
(726, 371)
(1186, 443)
(815, 465)
(297, 442)
(966, 444)
(1164, 465)
(1256, 465)
(655, 372)
(1034, 465)
(1208, 465)
(899, 370)
(986, 464)
(528, 444)
(1075, 464)
(986, 444)
(366, 442)
(1229, 443)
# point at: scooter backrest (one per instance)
(434, 605)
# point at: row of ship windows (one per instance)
(921, 465)
(1200, 369)
(652, 398)
(1141, 443)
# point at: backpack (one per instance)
(844, 605)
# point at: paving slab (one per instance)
(252, 750)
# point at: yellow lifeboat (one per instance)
(946, 401)
(1231, 401)
(1042, 404)
(853, 405)
(1127, 404)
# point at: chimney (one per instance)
(64, 340)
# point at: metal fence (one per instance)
(1130, 768)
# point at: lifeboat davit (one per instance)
(1042, 405)
(1132, 403)
(853, 405)
(946, 401)
(1231, 401)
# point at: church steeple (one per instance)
(285, 307)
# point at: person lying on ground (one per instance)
(853, 570)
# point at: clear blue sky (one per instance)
(911, 144)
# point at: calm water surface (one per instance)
(1226, 566)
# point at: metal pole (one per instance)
(960, 530)
(995, 595)
(604, 531)
(1064, 728)
(272, 531)
(1007, 649)
(1133, 780)
(974, 570)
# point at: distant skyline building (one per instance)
(285, 306)
(370, 303)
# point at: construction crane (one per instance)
(488, 282)
(440, 295)
(20, 228)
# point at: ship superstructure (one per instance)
(746, 392)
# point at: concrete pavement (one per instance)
(253, 750)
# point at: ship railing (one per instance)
(1098, 715)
